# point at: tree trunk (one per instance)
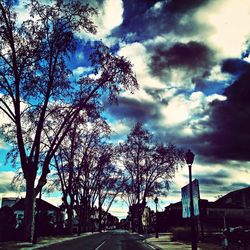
(85, 215)
(29, 211)
(70, 220)
(133, 225)
(139, 219)
(84, 220)
(79, 219)
(100, 216)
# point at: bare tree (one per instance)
(85, 171)
(72, 160)
(106, 183)
(33, 75)
(149, 167)
(66, 172)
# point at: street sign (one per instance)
(185, 198)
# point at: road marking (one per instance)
(100, 245)
(151, 247)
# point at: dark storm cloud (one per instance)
(177, 6)
(228, 137)
(210, 181)
(230, 123)
(136, 8)
(213, 179)
(235, 66)
(222, 174)
(235, 186)
(145, 21)
(134, 110)
(192, 55)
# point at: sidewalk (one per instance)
(42, 242)
(164, 242)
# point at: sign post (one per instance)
(190, 205)
(185, 198)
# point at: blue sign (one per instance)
(185, 198)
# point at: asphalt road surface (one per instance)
(112, 240)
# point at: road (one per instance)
(112, 240)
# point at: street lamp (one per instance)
(189, 160)
(156, 220)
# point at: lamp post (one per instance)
(189, 160)
(156, 220)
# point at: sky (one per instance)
(192, 63)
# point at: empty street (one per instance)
(112, 240)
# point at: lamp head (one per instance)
(156, 200)
(189, 157)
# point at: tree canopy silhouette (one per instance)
(35, 83)
(149, 166)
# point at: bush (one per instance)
(181, 234)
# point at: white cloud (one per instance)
(22, 12)
(189, 113)
(214, 97)
(177, 111)
(56, 201)
(187, 131)
(181, 108)
(196, 101)
(240, 175)
(137, 54)
(4, 119)
(217, 75)
(5, 185)
(179, 78)
(113, 11)
(120, 127)
(228, 21)
(3, 145)
(247, 59)
(6, 177)
(120, 212)
(141, 96)
(78, 71)
(109, 17)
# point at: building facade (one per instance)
(231, 210)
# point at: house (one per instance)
(125, 223)
(233, 209)
(240, 198)
(9, 201)
(43, 208)
(112, 221)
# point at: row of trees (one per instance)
(38, 97)
(85, 171)
(92, 173)
(53, 120)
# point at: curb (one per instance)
(151, 245)
(62, 240)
